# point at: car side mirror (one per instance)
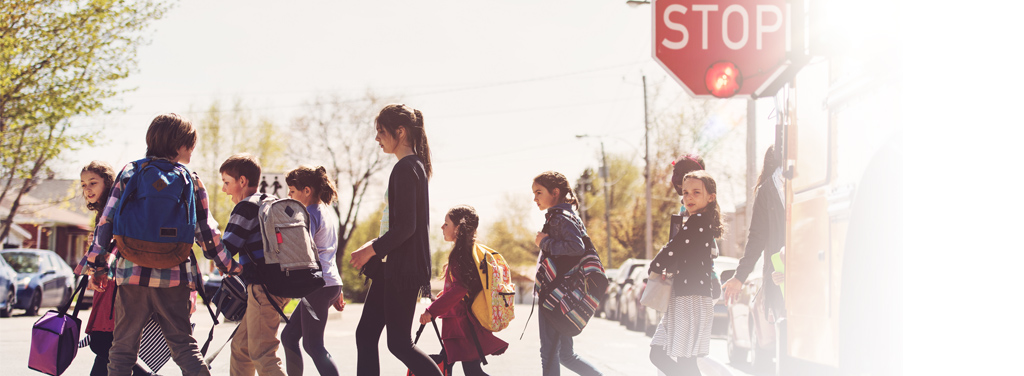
(726, 275)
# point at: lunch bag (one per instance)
(55, 336)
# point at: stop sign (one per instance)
(724, 48)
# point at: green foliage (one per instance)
(366, 230)
(59, 60)
(224, 132)
(510, 235)
(336, 133)
(627, 212)
(706, 127)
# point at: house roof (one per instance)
(52, 201)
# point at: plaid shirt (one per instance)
(127, 273)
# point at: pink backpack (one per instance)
(55, 337)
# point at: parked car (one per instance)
(647, 319)
(614, 295)
(8, 288)
(610, 273)
(720, 325)
(44, 279)
(635, 316)
(750, 337)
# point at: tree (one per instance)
(706, 127)
(339, 134)
(61, 59)
(355, 284)
(714, 129)
(510, 235)
(224, 132)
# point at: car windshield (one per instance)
(23, 262)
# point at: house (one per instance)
(51, 216)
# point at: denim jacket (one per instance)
(565, 237)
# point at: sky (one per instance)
(504, 87)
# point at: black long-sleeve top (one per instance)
(687, 256)
(767, 232)
(407, 244)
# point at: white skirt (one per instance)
(685, 330)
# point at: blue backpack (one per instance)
(155, 222)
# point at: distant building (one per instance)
(51, 216)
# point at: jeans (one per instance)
(170, 308)
(303, 326)
(394, 308)
(556, 348)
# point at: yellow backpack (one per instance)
(494, 306)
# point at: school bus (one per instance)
(841, 139)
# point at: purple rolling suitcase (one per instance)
(55, 337)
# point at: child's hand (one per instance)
(98, 282)
(540, 237)
(340, 304)
(425, 318)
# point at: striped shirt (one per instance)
(127, 273)
(242, 235)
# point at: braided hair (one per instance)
(461, 258)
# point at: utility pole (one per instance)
(607, 203)
(649, 226)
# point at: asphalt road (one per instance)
(609, 346)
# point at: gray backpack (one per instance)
(291, 266)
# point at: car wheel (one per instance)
(34, 304)
(651, 328)
(6, 312)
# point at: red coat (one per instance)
(455, 320)
(101, 319)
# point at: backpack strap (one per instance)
(209, 360)
(472, 332)
(80, 291)
(206, 301)
(532, 306)
(274, 304)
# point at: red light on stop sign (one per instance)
(723, 79)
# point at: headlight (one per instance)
(24, 281)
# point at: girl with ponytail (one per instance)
(562, 241)
(461, 280)
(400, 257)
(314, 188)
